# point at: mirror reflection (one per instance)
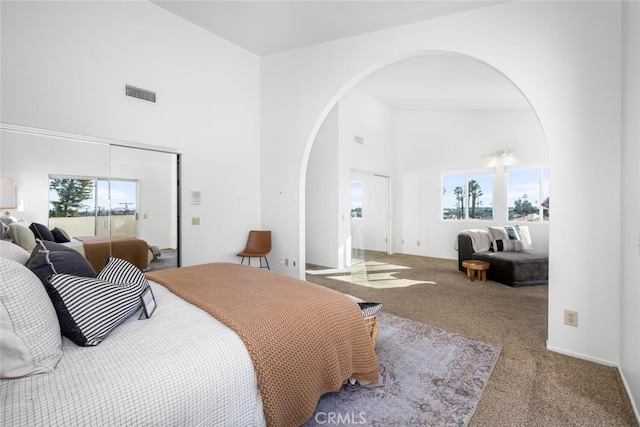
(97, 198)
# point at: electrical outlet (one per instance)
(195, 220)
(418, 243)
(286, 262)
(571, 318)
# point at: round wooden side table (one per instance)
(476, 268)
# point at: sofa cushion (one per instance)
(516, 268)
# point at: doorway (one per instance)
(370, 207)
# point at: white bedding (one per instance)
(181, 367)
(75, 244)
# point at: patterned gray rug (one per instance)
(428, 377)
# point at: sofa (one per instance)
(509, 252)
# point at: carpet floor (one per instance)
(530, 385)
(427, 377)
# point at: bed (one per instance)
(98, 248)
(274, 346)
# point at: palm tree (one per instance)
(459, 192)
(475, 192)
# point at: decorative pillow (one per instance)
(21, 236)
(30, 340)
(89, 309)
(525, 237)
(13, 252)
(503, 233)
(120, 271)
(369, 308)
(60, 236)
(508, 245)
(507, 235)
(41, 232)
(50, 258)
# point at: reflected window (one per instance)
(356, 199)
(82, 206)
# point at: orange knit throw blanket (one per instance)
(304, 339)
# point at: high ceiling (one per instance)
(443, 82)
(266, 27)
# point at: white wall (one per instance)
(322, 201)
(630, 212)
(64, 67)
(564, 56)
(373, 121)
(429, 143)
(334, 156)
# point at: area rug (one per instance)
(428, 377)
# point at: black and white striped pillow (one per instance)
(89, 309)
(508, 245)
(121, 271)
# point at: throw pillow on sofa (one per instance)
(512, 238)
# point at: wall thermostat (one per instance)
(196, 197)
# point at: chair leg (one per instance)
(267, 261)
(242, 260)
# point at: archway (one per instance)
(480, 153)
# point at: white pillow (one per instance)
(525, 237)
(21, 236)
(13, 252)
(30, 339)
(500, 237)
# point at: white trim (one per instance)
(87, 138)
(582, 356)
(636, 412)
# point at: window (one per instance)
(92, 206)
(528, 194)
(356, 199)
(467, 196)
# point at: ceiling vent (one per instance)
(136, 92)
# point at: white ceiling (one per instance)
(265, 27)
(443, 82)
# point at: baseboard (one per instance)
(633, 403)
(636, 413)
(582, 356)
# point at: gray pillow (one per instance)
(60, 236)
(21, 236)
(50, 258)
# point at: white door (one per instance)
(380, 213)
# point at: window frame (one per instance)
(541, 167)
(466, 173)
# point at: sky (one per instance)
(121, 192)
